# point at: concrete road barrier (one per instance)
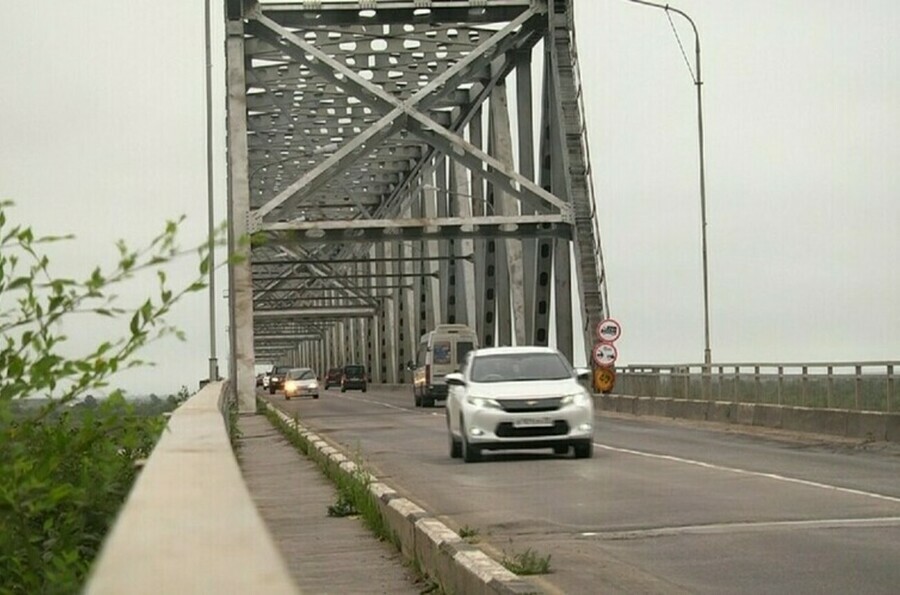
(863, 425)
(189, 524)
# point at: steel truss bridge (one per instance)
(386, 160)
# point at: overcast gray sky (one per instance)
(102, 126)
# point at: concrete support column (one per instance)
(240, 290)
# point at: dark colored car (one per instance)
(276, 378)
(333, 377)
(354, 378)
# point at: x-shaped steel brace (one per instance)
(399, 114)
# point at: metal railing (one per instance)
(859, 386)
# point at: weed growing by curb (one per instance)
(354, 496)
(234, 433)
(343, 507)
(470, 534)
(527, 562)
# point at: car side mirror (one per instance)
(454, 379)
(583, 372)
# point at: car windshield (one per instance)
(519, 367)
(355, 371)
(280, 371)
(302, 374)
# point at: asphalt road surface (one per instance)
(663, 507)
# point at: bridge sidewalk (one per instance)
(324, 554)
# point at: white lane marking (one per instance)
(388, 405)
(775, 476)
(760, 526)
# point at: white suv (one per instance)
(518, 397)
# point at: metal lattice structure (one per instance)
(389, 186)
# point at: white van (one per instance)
(440, 352)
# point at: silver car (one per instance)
(518, 397)
(299, 382)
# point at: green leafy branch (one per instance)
(33, 303)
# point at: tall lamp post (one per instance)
(213, 362)
(698, 82)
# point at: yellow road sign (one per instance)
(604, 379)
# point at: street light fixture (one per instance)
(698, 82)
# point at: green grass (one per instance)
(470, 534)
(354, 497)
(526, 562)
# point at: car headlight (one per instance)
(313, 385)
(483, 402)
(289, 385)
(579, 399)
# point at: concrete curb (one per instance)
(456, 565)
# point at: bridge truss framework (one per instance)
(387, 185)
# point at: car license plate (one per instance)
(532, 422)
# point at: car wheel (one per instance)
(584, 450)
(365, 389)
(327, 386)
(417, 399)
(271, 390)
(455, 445)
(470, 454)
(455, 448)
(343, 390)
(287, 397)
(561, 449)
(315, 396)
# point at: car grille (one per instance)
(507, 430)
(530, 405)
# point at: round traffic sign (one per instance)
(608, 330)
(604, 379)
(605, 354)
